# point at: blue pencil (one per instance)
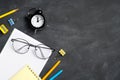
(55, 75)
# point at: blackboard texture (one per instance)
(88, 30)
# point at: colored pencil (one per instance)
(8, 13)
(55, 75)
(51, 70)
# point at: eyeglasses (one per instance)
(22, 46)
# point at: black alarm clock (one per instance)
(36, 19)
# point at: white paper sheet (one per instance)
(11, 62)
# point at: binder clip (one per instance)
(59, 54)
(62, 52)
(11, 22)
(3, 28)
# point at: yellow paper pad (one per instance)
(26, 73)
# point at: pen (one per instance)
(51, 70)
(55, 75)
(8, 13)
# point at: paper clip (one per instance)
(62, 52)
(3, 28)
(11, 22)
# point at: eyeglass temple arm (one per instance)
(22, 47)
(32, 44)
(19, 41)
(27, 43)
(46, 48)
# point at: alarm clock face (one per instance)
(37, 21)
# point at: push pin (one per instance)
(3, 28)
(62, 52)
(11, 22)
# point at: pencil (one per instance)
(51, 70)
(55, 75)
(8, 13)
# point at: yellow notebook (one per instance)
(26, 73)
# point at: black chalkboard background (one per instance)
(88, 30)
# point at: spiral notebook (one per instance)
(11, 62)
(26, 73)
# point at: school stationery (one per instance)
(62, 52)
(11, 61)
(51, 70)
(56, 75)
(4, 29)
(11, 22)
(26, 73)
(8, 13)
(22, 46)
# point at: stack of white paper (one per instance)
(11, 62)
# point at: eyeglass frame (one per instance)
(31, 45)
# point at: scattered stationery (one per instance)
(11, 62)
(26, 73)
(51, 70)
(62, 52)
(55, 75)
(11, 22)
(3, 28)
(8, 13)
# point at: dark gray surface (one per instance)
(88, 30)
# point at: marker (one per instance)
(51, 70)
(8, 13)
(55, 75)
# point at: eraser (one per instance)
(3, 28)
(11, 22)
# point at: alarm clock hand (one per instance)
(37, 19)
